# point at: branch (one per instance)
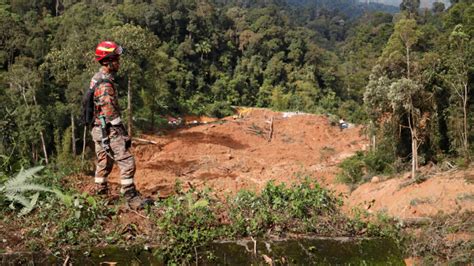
(145, 140)
(270, 134)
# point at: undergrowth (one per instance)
(442, 240)
(187, 221)
(190, 220)
(193, 219)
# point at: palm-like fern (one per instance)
(14, 190)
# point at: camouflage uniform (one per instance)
(106, 104)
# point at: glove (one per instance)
(128, 141)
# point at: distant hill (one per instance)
(351, 8)
(424, 3)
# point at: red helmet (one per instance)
(107, 50)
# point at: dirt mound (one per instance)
(404, 198)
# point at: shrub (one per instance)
(219, 109)
(187, 221)
(379, 162)
(362, 164)
(353, 169)
(279, 208)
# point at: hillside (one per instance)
(237, 153)
(233, 154)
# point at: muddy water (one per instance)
(307, 251)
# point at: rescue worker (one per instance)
(343, 124)
(111, 139)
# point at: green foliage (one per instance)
(219, 109)
(357, 168)
(15, 190)
(188, 221)
(191, 220)
(280, 208)
(379, 162)
(353, 169)
(82, 213)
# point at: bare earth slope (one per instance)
(238, 153)
(233, 154)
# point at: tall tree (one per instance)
(408, 99)
(24, 80)
(407, 32)
(12, 35)
(460, 62)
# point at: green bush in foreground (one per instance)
(279, 208)
(187, 221)
(194, 219)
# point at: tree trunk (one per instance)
(57, 8)
(372, 136)
(465, 138)
(33, 152)
(44, 148)
(413, 167)
(414, 145)
(43, 143)
(129, 108)
(84, 143)
(73, 134)
(408, 61)
(153, 116)
(373, 143)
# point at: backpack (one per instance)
(88, 106)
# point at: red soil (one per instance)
(236, 153)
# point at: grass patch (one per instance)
(192, 219)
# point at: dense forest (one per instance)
(407, 75)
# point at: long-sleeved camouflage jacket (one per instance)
(105, 99)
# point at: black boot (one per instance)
(100, 189)
(134, 200)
